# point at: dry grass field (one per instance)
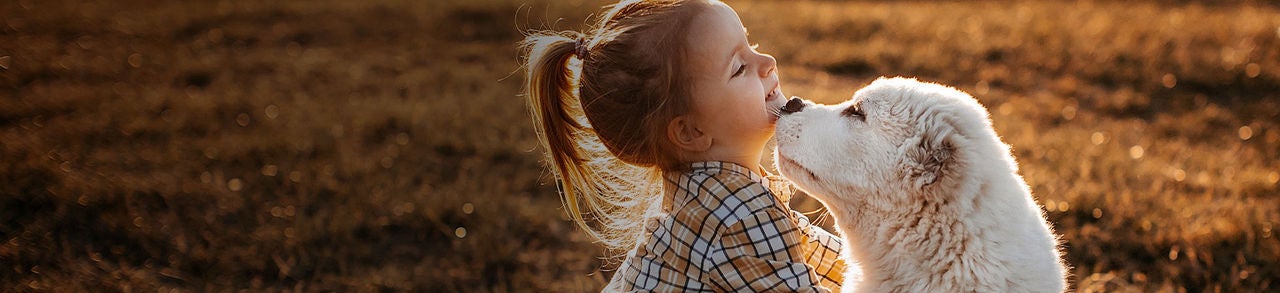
(372, 145)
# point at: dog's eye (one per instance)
(854, 111)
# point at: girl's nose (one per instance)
(769, 65)
(792, 106)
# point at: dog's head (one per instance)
(895, 138)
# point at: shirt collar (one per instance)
(780, 187)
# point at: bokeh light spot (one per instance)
(235, 184)
(1245, 132)
(272, 111)
(269, 170)
(1169, 80)
(135, 60)
(1273, 177)
(242, 119)
(1069, 112)
(1136, 152)
(468, 208)
(404, 208)
(1252, 70)
(1097, 213)
(460, 232)
(1005, 109)
(211, 153)
(1179, 175)
(1229, 57)
(1098, 138)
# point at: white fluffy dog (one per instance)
(925, 194)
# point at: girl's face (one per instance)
(735, 88)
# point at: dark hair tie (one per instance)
(580, 47)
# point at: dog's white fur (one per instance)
(925, 194)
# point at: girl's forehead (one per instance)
(715, 23)
(715, 33)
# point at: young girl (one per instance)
(655, 122)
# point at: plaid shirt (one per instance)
(726, 232)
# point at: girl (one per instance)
(654, 123)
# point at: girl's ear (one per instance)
(684, 133)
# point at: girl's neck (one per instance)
(751, 164)
(751, 161)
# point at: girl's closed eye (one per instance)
(741, 68)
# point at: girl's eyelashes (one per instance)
(741, 68)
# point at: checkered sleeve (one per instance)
(759, 248)
(822, 252)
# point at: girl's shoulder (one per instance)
(724, 190)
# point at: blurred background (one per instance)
(371, 145)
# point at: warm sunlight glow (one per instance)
(332, 145)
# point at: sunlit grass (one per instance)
(363, 145)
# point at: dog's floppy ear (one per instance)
(930, 155)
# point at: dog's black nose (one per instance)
(792, 106)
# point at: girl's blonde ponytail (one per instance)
(548, 91)
(615, 195)
(602, 116)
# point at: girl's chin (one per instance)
(772, 118)
(769, 129)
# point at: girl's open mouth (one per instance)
(773, 95)
(773, 103)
